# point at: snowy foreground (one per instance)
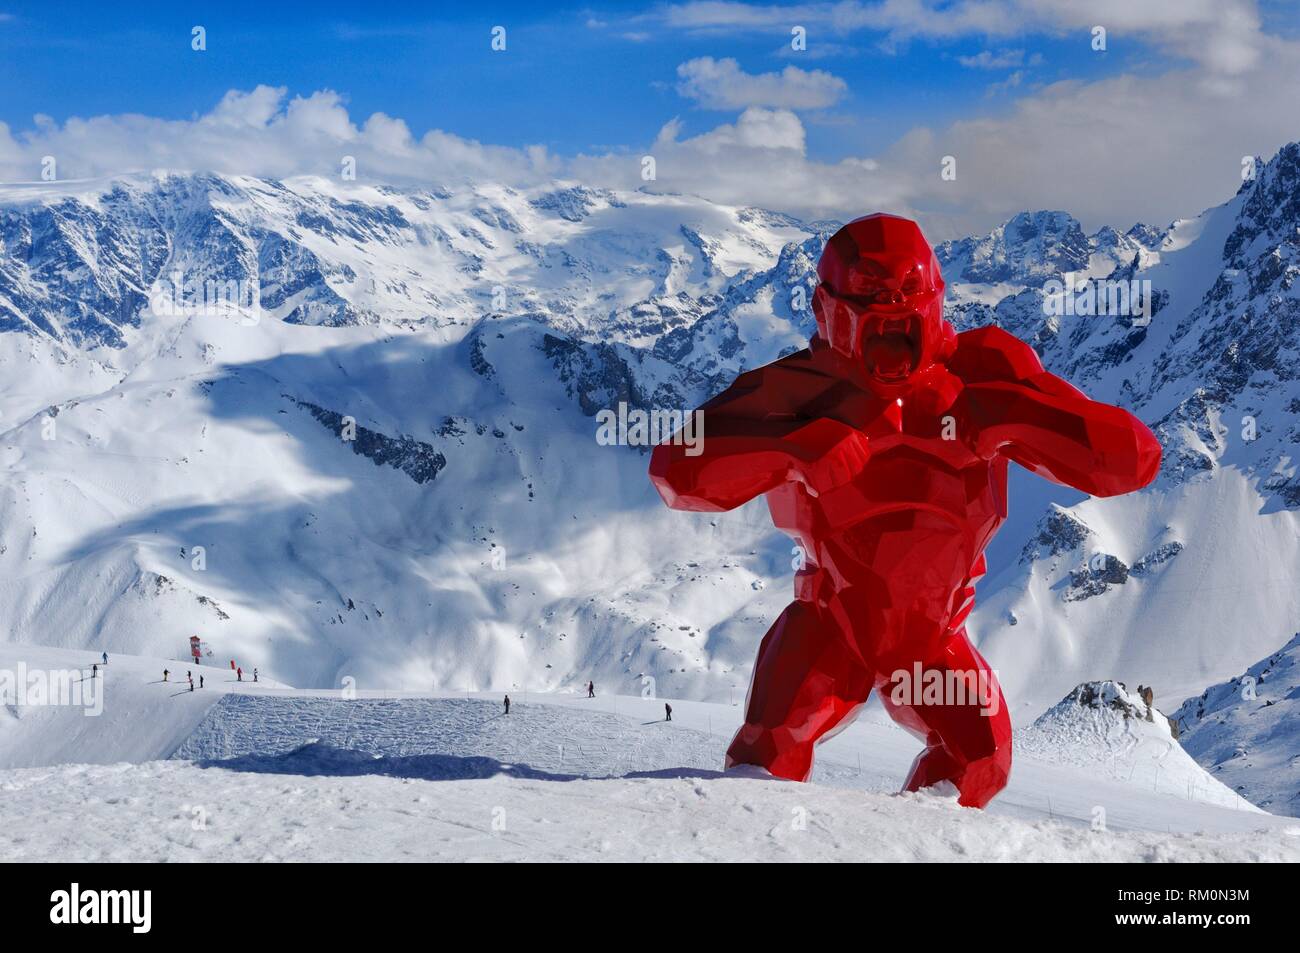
(241, 772)
(138, 813)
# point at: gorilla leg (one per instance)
(967, 732)
(809, 680)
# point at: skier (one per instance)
(200, 681)
(591, 689)
(507, 704)
(94, 671)
(254, 674)
(668, 712)
(191, 678)
(232, 665)
(239, 674)
(165, 674)
(105, 658)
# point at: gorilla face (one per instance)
(880, 300)
(888, 314)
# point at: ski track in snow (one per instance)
(418, 735)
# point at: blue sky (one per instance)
(561, 82)
(604, 79)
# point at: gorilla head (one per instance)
(880, 301)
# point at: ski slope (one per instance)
(143, 717)
(245, 772)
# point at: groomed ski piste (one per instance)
(239, 771)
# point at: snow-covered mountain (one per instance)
(1104, 728)
(473, 533)
(340, 429)
(1246, 733)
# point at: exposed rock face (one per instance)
(1060, 531)
(1157, 557)
(419, 461)
(1104, 570)
(1114, 696)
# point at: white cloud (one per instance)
(1116, 151)
(264, 132)
(761, 159)
(1223, 36)
(1012, 81)
(987, 59)
(722, 84)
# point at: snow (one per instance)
(1168, 629)
(1246, 733)
(148, 813)
(142, 718)
(267, 772)
(1106, 729)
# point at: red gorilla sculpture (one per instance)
(883, 450)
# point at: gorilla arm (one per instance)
(754, 439)
(1044, 424)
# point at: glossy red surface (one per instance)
(883, 452)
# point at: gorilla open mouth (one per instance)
(891, 348)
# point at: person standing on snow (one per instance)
(591, 689)
(94, 671)
(165, 674)
(507, 704)
(254, 674)
(200, 681)
(668, 712)
(105, 658)
(239, 674)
